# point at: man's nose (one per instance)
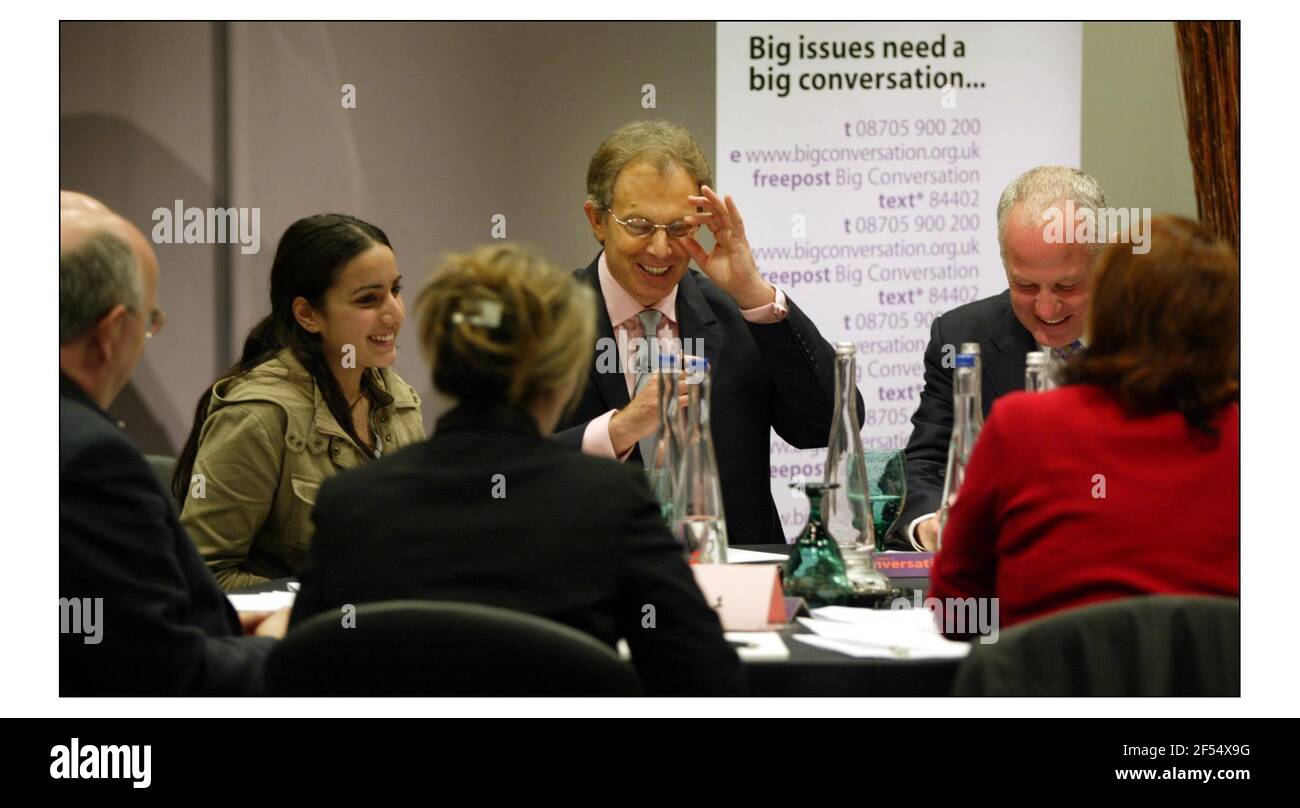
(660, 245)
(1047, 305)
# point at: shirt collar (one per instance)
(621, 305)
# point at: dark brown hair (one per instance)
(1164, 326)
(308, 260)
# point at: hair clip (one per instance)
(488, 314)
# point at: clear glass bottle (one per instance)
(815, 569)
(967, 421)
(1036, 372)
(847, 503)
(664, 463)
(847, 507)
(698, 519)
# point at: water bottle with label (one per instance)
(967, 421)
(973, 348)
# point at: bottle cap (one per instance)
(970, 348)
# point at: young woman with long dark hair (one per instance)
(313, 393)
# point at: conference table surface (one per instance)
(813, 671)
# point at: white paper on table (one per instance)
(262, 601)
(766, 645)
(735, 556)
(848, 648)
(918, 619)
(897, 632)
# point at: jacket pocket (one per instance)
(305, 488)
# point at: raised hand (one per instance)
(731, 263)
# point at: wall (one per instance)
(1134, 142)
(455, 122)
(136, 131)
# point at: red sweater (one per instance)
(1031, 527)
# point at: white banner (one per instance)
(867, 160)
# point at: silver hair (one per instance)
(94, 278)
(1041, 188)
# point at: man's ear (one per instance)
(305, 315)
(109, 331)
(596, 218)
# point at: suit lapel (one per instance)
(696, 322)
(1005, 372)
(611, 386)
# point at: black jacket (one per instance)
(167, 629)
(779, 376)
(1003, 344)
(572, 538)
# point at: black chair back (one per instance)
(434, 648)
(1154, 645)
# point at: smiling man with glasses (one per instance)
(648, 193)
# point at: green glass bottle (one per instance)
(815, 569)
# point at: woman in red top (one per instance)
(1125, 480)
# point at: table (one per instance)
(816, 672)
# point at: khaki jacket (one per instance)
(267, 444)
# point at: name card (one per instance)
(747, 597)
(905, 565)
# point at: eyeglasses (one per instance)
(640, 228)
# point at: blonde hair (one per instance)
(502, 324)
(663, 144)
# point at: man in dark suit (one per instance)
(647, 194)
(139, 612)
(1042, 310)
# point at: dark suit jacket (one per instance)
(1003, 345)
(167, 629)
(779, 376)
(575, 539)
